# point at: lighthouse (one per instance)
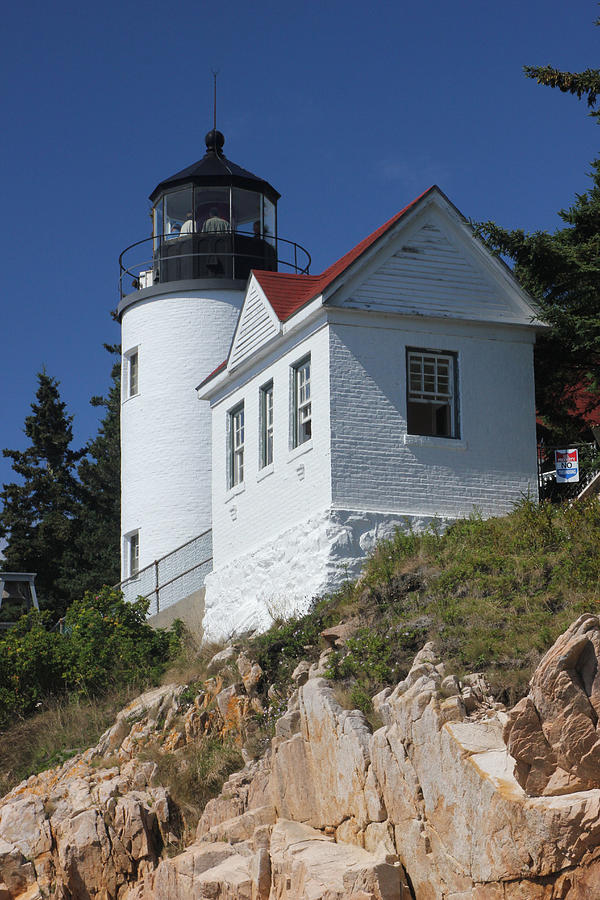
(181, 293)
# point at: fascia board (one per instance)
(374, 318)
(305, 312)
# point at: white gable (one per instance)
(257, 325)
(437, 268)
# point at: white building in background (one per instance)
(394, 388)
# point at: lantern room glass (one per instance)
(269, 221)
(247, 212)
(189, 210)
(212, 208)
(178, 210)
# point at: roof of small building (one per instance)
(288, 293)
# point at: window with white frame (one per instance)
(266, 425)
(432, 402)
(236, 445)
(131, 373)
(133, 553)
(302, 405)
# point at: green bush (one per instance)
(106, 642)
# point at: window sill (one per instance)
(132, 397)
(265, 472)
(234, 491)
(427, 440)
(300, 450)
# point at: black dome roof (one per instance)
(215, 170)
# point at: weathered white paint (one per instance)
(432, 276)
(257, 325)
(165, 429)
(431, 265)
(283, 576)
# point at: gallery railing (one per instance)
(230, 254)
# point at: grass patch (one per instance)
(195, 774)
(493, 595)
(55, 734)
(190, 665)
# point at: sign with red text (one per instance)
(567, 465)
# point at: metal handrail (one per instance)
(160, 559)
(152, 572)
(132, 270)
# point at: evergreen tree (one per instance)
(562, 271)
(96, 553)
(38, 514)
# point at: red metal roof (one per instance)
(583, 405)
(288, 293)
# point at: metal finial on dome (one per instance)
(214, 141)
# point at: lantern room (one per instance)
(212, 220)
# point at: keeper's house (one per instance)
(394, 388)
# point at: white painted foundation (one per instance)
(282, 576)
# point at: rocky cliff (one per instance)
(452, 798)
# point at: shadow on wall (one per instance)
(190, 610)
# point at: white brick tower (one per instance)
(181, 292)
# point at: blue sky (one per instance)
(349, 111)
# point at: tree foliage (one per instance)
(96, 552)
(582, 84)
(61, 517)
(562, 272)
(39, 511)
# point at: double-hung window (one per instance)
(432, 403)
(302, 405)
(236, 445)
(266, 425)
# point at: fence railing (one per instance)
(172, 577)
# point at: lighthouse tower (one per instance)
(181, 292)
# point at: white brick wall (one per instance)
(298, 483)
(289, 535)
(375, 466)
(166, 462)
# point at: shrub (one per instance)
(106, 642)
(109, 639)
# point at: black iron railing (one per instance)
(231, 254)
